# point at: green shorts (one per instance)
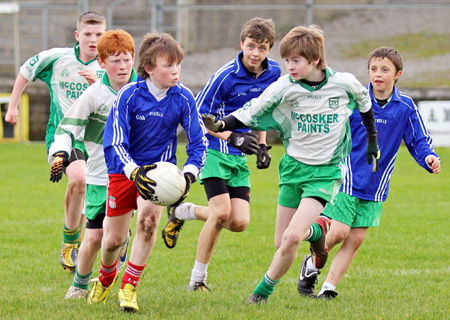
(231, 168)
(299, 180)
(354, 212)
(95, 200)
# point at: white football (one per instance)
(170, 183)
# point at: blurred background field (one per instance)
(400, 272)
(209, 33)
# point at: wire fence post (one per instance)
(309, 12)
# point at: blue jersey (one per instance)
(228, 90)
(140, 130)
(398, 119)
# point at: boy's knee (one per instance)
(238, 225)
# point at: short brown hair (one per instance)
(115, 41)
(90, 17)
(307, 42)
(260, 30)
(158, 45)
(388, 53)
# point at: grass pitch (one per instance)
(400, 272)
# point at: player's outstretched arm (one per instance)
(12, 115)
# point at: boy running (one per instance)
(226, 175)
(359, 203)
(67, 73)
(89, 114)
(141, 130)
(310, 108)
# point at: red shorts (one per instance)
(122, 195)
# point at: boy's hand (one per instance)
(247, 142)
(61, 161)
(12, 116)
(142, 182)
(373, 154)
(190, 179)
(211, 123)
(263, 157)
(434, 164)
(90, 76)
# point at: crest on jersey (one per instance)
(65, 73)
(333, 103)
(103, 109)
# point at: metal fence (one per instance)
(208, 30)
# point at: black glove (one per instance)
(263, 157)
(190, 179)
(61, 161)
(247, 142)
(373, 154)
(142, 182)
(212, 123)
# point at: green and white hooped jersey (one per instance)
(313, 122)
(89, 112)
(58, 68)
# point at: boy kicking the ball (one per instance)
(141, 130)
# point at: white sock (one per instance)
(199, 273)
(327, 286)
(186, 211)
(310, 264)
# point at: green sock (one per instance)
(71, 236)
(81, 281)
(316, 232)
(265, 287)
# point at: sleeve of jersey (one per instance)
(362, 95)
(417, 139)
(261, 113)
(71, 125)
(38, 65)
(197, 147)
(116, 138)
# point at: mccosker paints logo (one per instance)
(314, 123)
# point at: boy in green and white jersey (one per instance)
(89, 114)
(310, 108)
(67, 73)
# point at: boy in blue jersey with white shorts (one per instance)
(310, 108)
(141, 129)
(359, 203)
(67, 73)
(225, 175)
(89, 114)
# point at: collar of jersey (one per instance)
(106, 82)
(77, 51)
(241, 72)
(394, 97)
(141, 84)
(328, 73)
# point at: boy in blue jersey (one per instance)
(141, 129)
(89, 114)
(310, 107)
(67, 73)
(226, 175)
(359, 203)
